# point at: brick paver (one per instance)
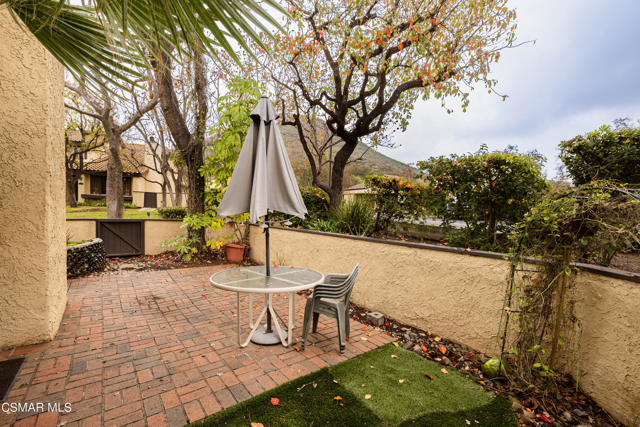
(156, 348)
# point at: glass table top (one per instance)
(254, 279)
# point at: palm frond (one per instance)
(109, 42)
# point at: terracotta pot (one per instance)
(235, 253)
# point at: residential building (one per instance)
(141, 181)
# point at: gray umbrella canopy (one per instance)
(263, 179)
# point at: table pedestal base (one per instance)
(262, 337)
(259, 335)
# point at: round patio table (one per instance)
(254, 280)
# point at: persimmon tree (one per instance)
(362, 64)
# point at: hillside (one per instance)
(372, 162)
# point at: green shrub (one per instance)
(93, 202)
(355, 217)
(489, 191)
(173, 212)
(603, 154)
(103, 203)
(395, 200)
(326, 225)
(316, 201)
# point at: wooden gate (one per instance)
(122, 237)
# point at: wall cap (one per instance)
(591, 268)
(123, 219)
(85, 244)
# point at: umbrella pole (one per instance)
(268, 266)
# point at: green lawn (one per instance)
(449, 399)
(101, 212)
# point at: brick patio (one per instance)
(159, 348)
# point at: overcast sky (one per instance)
(582, 72)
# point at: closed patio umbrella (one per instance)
(263, 181)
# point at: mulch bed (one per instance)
(163, 261)
(561, 406)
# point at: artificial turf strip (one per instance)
(448, 399)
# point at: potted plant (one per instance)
(236, 251)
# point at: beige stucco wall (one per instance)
(460, 297)
(156, 232)
(81, 229)
(610, 351)
(33, 281)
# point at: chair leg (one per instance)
(341, 330)
(308, 309)
(347, 327)
(316, 316)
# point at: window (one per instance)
(98, 184)
(126, 185)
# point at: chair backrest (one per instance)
(342, 290)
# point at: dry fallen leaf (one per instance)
(395, 343)
(428, 376)
(468, 422)
(437, 339)
(423, 348)
(400, 381)
(444, 371)
(297, 348)
(275, 401)
(393, 356)
(442, 349)
(257, 425)
(367, 396)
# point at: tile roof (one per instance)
(132, 160)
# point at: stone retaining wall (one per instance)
(86, 258)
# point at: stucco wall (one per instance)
(81, 229)
(155, 232)
(33, 281)
(460, 296)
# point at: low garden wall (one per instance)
(459, 294)
(156, 231)
(86, 258)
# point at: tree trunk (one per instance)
(195, 192)
(72, 185)
(190, 144)
(337, 172)
(115, 202)
(178, 187)
(164, 194)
